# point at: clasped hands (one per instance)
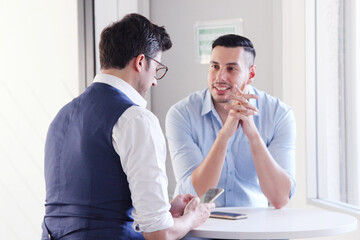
(241, 111)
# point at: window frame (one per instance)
(312, 153)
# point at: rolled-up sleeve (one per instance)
(282, 147)
(139, 141)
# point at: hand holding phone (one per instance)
(211, 195)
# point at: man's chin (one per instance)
(221, 100)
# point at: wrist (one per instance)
(253, 136)
(189, 217)
(223, 135)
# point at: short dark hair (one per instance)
(133, 35)
(233, 40)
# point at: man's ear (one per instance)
(140, 62)
(252, 72)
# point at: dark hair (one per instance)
(233, 40)
(134, 34)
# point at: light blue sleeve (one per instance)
(184, 152)
(282, 146)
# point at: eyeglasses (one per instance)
(161, 69)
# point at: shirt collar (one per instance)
(208, 104)
(123, 86)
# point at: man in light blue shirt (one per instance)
(232, 135)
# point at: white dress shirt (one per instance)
(140, 143)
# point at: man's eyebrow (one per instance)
(232, 63)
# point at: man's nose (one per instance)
(221, 74)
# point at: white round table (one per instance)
(270, 223)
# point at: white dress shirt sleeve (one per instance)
(140, 143)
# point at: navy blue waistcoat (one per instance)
(87, 193)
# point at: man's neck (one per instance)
(122, 74)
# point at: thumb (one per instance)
(192, 204)
(195, 201)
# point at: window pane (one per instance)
(337, 102)
(328, 98)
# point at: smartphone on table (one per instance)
(211, 195)
(227, 215)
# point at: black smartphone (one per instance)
(211, 195)
(226, 215)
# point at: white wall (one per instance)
(261, 23)
(38, 74)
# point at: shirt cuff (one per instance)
(153, 223)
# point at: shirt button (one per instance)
(229, 190)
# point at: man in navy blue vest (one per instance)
(105, 152)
